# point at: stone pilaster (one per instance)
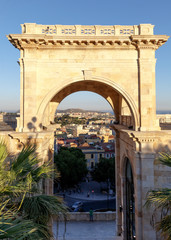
(29, 96)
(147, 95)
(118, 186)
(143, 182)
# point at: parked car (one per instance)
(77, 207)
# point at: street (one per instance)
(94, 204)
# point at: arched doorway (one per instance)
(130, 202)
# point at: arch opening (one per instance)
(85, 100)
(130, 201)
(122, 104)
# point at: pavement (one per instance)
(98, 230)
(89, 191)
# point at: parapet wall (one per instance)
(79, 30)
(84, 216)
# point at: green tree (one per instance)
(105, 170)
(161, 200)
(71, 164)
(24, 215)
(66, 119)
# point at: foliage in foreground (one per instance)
(161, 200)
(22, 214)
(13, 226)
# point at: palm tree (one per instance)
(161, 200)
(22, 210)
(12, 226)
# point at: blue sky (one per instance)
(89, 12)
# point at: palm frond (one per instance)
(165, 227)
(27, 163)
(160, 198)
(41, 208)
(3, 151)
(165, 159)
(21, 229)
(24, 217)
(13, 226)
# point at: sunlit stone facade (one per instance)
(117, 62)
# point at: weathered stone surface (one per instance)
(117, 62)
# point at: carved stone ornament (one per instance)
(57, 36)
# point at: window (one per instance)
(100, 155)
(92, 155)
(92, 164)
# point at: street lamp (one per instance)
(108, 188)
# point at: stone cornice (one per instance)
(22, 41)
(143, 139)
(142, 136)
(97, 36)
(148, 41)
(149, 136)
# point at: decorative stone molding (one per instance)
(142, 139)
(152, 41)
(83, 30)
(56, 36)
(37, 42)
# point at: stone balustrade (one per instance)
(83, 30)
(100, 36)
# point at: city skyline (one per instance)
(75, 13)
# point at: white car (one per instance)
(77, 206)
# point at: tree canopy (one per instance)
(66, 119)
(71, 164)
(105, 170)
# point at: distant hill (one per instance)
(71, 110)
(163, 111)
(75, 110)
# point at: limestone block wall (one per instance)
(59, 69)
(117, 62)
(44, 142)
(142, 149)
(55, 57)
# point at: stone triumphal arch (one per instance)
(117, 62)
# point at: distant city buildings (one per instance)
(8, 121)
(94, 138)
